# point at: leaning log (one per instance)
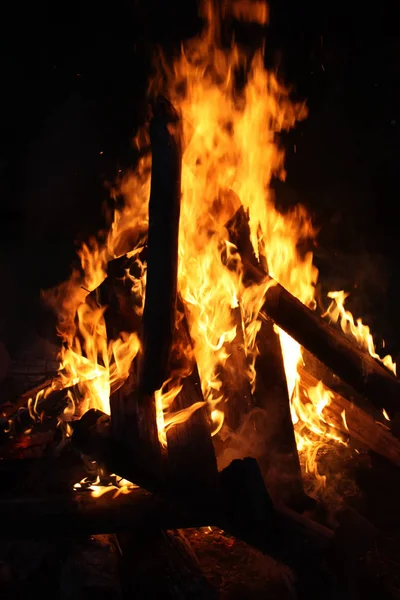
(351, 420)
(273, 433)
(352, 364)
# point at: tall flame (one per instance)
(231, 152)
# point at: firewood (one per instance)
(235, 378)
(355, 422)
(29, 517)
(51, 404)
(162, 564)
(134, 410)
(354, 365)
(191, 457)
(279, 462)
(162, 251)
(277, 452)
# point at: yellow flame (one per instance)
(362, 334)
(230, 154)
(98, 489)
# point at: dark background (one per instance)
(73, 79)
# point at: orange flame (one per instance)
(337, 312)
(231, 151)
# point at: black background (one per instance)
(73, 79)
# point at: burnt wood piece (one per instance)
(81, 513)
(161, 564)
(273, 427)
(93, 435)
(191, 457)
(360, 425)
(162, 250)
(353, 365)
(279, 461)
(235, 378)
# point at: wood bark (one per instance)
(353, 365)
(275, 442)
(134, 410)
(162, 250)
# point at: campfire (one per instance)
(199, 377)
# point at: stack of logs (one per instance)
(183, 485)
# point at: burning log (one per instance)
(135, 414)
(351, 420)
(279, 462)
(235, 380)
(162, 251)
(191, 457)
(353, 365)
(279, 459)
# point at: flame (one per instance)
(336, 312)
(98, 488)
(231, 152)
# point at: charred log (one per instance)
(134, 410)
(162, 251)
(352, 421)
(354, 365)
(235, 378)
(191, 457)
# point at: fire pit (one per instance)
(198, 385)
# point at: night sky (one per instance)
(73, 80)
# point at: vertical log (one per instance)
(280, 463)
(162, 252)
(135, 412)
(278, 456)
(235, 378)
(191, 457)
